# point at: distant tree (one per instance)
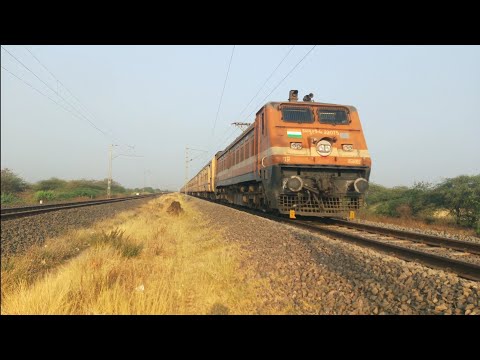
(11, 182)
(377, 193)
(51, 184)
(418, 197)
(461, 196)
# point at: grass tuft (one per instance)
(120, 242)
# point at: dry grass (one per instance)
(140, 262)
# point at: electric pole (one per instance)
(110, 160)
(109, 180)
(187, 160)
(186, 170)
(145, 178)
(242, 125)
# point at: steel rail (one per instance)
(434, 240)
(12, 213)
(465, 269)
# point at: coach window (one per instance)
(333, 116)
(297, 115)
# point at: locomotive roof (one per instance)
(275, 104)
(305, 103)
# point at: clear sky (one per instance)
(418, 106)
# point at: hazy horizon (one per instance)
(417, 105)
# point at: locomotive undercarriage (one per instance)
(249, 194)
(311, 191)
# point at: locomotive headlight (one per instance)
(347, 147)
(360, 185)
(324, 148)
(296, 145)
(294, 183)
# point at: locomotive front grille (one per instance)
(325, 205)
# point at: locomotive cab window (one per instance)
(333, 116)
(297, 115)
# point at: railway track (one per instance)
(460, 257)
(13, 213)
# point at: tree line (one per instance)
(15, 189)
(459, 196)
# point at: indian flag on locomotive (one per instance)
(294, 134)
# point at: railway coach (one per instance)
(306, 156)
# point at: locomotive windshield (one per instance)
(297, 114)
(332, 116)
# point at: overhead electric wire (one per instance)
(70, 92)
(26, 67)
(48, 97)
(223, 90)
(108, 133)
(220, 140)
(63, 85)
(229, 136)
(298, 63)
(273, 72)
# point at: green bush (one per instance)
(400, 201)
(78, 188)
(7, 198)
(90, 193)
(461, 196)
(46, 195)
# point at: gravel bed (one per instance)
(306, 273)
(422, 231)
(19, 234)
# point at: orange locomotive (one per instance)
(305, 156)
